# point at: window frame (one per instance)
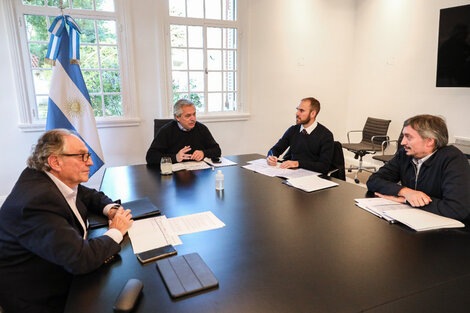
(241, 113)
(27, 107)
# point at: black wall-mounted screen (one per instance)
(453, 58)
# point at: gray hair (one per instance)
(430, 126)
(178, 107)
(51, 142)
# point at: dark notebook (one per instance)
(141, 208)
(186, 274)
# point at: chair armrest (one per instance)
(375, 137)
(385, 143)
(353, 131)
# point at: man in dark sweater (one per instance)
(184, 138)
(311, 144)
(432, 176)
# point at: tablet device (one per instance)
(156, 254)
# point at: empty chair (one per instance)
(387, 157)
(373, 134)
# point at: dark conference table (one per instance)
(283, 250)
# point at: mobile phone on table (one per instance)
(156, 254)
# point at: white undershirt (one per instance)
(310, 128)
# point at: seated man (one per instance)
(311, 143)
(43, 226)
(433, 176)
(184, 138)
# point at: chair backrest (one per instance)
(337, 163)
(158, 123)
(375, 127)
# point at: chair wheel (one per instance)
(356, 181)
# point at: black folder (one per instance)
(141, 208)
(186, 274)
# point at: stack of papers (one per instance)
(261, 166)
(189, 166)
(223, 162)
(416, 219)
(156, 232)
(310, 183)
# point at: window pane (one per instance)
(87, 27)
(229, 10)
(96, 104)
(92, 81)
(213, 9)
(177, 8)
(214, 37)
(195, 8)
(105, 5)
(178, 35)
(33, 2)
(106, 31)
(230, 60)
(42, 106)
(196, 81)
(109, 57)
(214, 103)
(229, 81)
(42, 80)
(180, 81)
(230, 38)
(214, 59)
(113, 105)
(195, 36)
(88, 57)
(82, 4)
(36, 27)
(55, 3)
(198, 100)
(177, 96)
(230, 103)
(196, 59)
(214, 81)
(111, 81)
(38, 53)
(179, 59)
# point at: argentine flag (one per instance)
(69, 103)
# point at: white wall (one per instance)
(358, 57)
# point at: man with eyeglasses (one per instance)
(43, 226)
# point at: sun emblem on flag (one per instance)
(74, 108)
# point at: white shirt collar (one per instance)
(310, 128)
(65, 190)
(181, 127)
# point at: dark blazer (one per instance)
(445, 177)
(42, 245)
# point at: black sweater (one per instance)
(445, 177)
(313, 152)
(170, 139)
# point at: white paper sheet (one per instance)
(420, 220)
(152, 233)
(310, 183)
(377, 206)
(223, 162)
(192, 223)
(262, 167)
(190, 166)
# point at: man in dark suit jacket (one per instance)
(310, 143)
(43, 226)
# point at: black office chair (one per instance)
(387, 157)
(373, 134)
(158, 123)
(337, 163)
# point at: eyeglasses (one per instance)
(85, 156)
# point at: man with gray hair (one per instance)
(43, 226)
(184, 138)
(432, 175)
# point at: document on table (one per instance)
(262, 167)
(193, 223)
(416, 219)
(152, 233)
(223, 162)
(189, 166)
(420, 220)
(310, 183)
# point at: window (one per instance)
(101, 60)
(204, 52)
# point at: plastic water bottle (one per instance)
(219, 180)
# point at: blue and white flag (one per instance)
(69, 102)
